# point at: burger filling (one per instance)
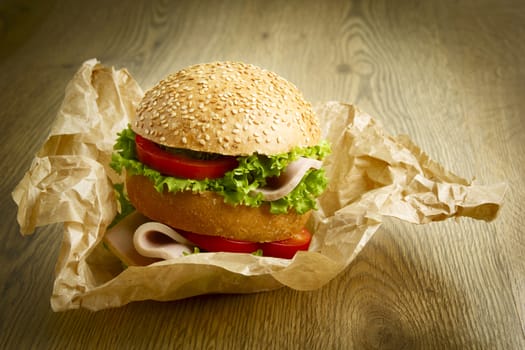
(247, 180)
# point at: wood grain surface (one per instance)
(450, 74)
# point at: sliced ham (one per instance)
(156, 240)
(119, 239)
(288, 179)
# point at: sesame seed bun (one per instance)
(206, 213)
(230, 108)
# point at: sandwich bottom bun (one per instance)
(206, 213)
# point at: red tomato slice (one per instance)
(288, 247)
(279, 249)
(220, 244)
(179, 165)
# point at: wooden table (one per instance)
(448, 73)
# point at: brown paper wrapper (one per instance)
(371, 175)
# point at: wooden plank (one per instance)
(449, 74)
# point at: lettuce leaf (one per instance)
(124, 205)
(237, 185)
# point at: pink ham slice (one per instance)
(289, 179)
(156, 240)
(119, 239)
(139, 242)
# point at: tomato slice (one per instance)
(220, 244)
(279, 249)
(179, 165)
(288, 247)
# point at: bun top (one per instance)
(229, 108)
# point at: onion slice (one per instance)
(289, 178)
(156, 240)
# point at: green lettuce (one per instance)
(237, 185)
(124, 205)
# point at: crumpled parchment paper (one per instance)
(372, 174)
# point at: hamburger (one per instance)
(226, 153)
